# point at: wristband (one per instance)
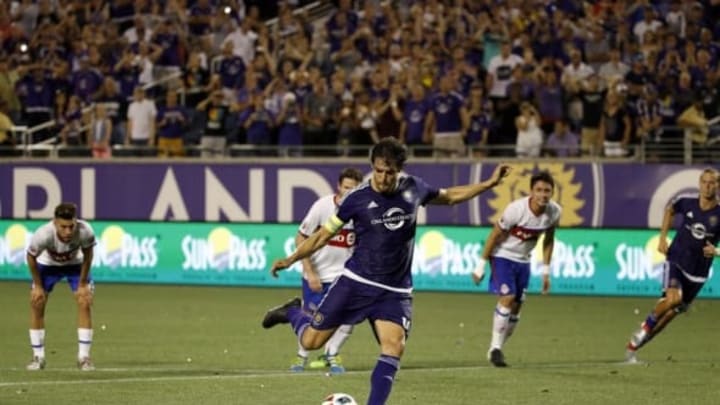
(479, 271)
(545, 269)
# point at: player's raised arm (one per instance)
(311, 245)
(458, 194)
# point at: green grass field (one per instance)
(196, 345)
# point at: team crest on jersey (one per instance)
(408, 196)
(517, 185)
(713, 220)
(504, 289)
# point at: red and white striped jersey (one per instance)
(329, 261)
(525, 228)
(51, 251)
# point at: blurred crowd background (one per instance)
(526, 78)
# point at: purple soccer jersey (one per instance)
(385, 230)
(696, 228)
(377, 282)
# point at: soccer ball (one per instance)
(339, 399)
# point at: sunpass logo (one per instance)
(393, 219)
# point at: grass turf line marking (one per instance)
(258, 374)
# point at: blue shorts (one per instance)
(508, 277)
(673, 277)
(349, 302)
(311, 299)
(50, 275)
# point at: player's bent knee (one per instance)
(394, 346)
(312, 339)
(84, 302)
(507, 300)
(39, 304)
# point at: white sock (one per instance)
(302, 352)
(37, 341)
(512, 323)
(501, 319)
(84, 342)
(342, 333)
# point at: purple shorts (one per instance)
(349, 302)
(673, 277)
(311, 299)
(508, 277)
(50, 275)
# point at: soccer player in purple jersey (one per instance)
(376, 283)
(688, 259)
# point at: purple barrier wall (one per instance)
(593, 195)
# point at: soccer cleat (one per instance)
(298, 366)
(321, 362)
(278, 314)
(85, 364)
(335, 363)
(37, 363)
(631, 357)
(497, 358)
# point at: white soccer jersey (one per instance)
(50, 251)
(524, 228)
(330, 260)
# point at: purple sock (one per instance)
(382, 379)
(299, 320)
(650, 322)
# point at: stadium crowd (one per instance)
(463, 77)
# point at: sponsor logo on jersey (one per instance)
(344, 239)
(393, 219)
(525, 234)
(698, 231)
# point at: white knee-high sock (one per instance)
(302, 352)
(333, 345)
(501, 319)
(84, 342)
(37, 341)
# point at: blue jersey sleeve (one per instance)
(425, 191)
(348, 207)
(678, 204)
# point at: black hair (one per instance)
(390, 150)
(543, 176)
(66, 210)
(350, 173)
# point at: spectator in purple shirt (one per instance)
(86, 81)
(562, 142)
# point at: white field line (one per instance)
(228, 374)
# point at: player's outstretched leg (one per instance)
(279, 314)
